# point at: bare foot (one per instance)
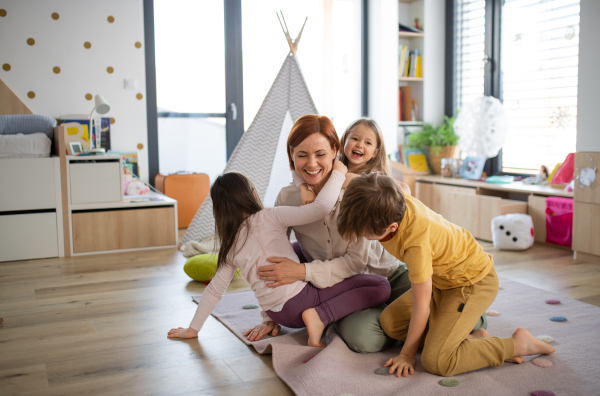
(481, 333)
(315, 327)
(526, 344)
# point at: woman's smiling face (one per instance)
(313, 159)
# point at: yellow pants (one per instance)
(453, 313)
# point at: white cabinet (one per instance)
(27, 183)
(28, 236)
(92, 182)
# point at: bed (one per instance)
(31, 207)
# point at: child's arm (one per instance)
(306, 195)
(210, 298)
(289, 216)
(404, 363)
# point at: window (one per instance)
(524, 52)
(540, 48)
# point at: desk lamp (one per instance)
(101, 107)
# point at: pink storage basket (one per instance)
(559, 221)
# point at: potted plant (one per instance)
(439, 141)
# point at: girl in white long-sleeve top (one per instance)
(249, 234)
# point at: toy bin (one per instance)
(559, 221)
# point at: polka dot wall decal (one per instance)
(109, 70)
(6, 67)
(110, 19)
(56, 69)
(138, 44)
(87, 45)
(88, 96)
(140, 146)
(139, 96)
(31, 94)
(112, 120)
(30, 41)
(2, 12)
(55, 16)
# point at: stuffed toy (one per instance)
(512, 232)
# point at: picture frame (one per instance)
(75, 148)
(472, 167)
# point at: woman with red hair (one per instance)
(313, 145)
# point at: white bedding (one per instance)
(33, 145)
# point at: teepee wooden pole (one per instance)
(286, 33)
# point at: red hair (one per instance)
(308, 125)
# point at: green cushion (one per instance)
(203, 267)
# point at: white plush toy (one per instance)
(512, 232)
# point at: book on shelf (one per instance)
(410, 63)
(399, 105)
(93, 139)
(406, 103)
(406, 28)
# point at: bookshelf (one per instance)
(427, 90)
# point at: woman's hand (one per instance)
(286, 271)
(180, 332)
(340, 167)
(306, 195)
(258, 332)
(404, 364)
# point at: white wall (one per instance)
(433, 65)
(588, 95)
(60, 43)
(383, 68)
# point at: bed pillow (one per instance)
(27, 124)
(33, 145)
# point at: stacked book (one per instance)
(411, 64)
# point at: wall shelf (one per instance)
(410, 35)
(415, 79)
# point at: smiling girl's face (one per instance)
(361, 146)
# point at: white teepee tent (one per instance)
(261, 154)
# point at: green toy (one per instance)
(203, 267)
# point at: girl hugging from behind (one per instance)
(250, 233)
(363, 152)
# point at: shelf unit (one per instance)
(428, 90)
(100, 219)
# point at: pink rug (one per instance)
(336, 369)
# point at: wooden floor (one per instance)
(98, 324)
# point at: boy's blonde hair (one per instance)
(371, 203)
(379, 163)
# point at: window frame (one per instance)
(492, 73)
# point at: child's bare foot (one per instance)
(526, 344)
(315, 327)
(481, 333)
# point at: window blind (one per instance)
(540, 52)
(469, 50)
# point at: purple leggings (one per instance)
(333, 303)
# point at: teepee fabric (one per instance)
(261, 153)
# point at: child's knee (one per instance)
(435, 363)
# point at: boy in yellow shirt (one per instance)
(453, 282)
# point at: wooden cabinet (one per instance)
(95, 231)
(464, 207)
(586, 212)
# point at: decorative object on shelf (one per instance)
(75, 133)
(564, 173)
(75, 148)
(481, 126)
(472, 167)
(587, 176)
(500, 179)
(101, 107)
(439, 141)
(512, 232)
(415, 158)
(448, 166)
